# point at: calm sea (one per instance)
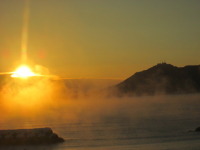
(162, 131)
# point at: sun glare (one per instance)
(23, 72)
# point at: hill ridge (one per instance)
(162, 78)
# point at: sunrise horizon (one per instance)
(98, 39)
(99, 74)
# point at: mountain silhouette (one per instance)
(162, 78)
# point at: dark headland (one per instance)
(162, 78)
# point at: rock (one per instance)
(197, 129)
(54, 138)
(29, 137)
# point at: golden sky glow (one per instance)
(100, 39)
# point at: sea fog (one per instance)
(92, 120)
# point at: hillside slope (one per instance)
(162, 79)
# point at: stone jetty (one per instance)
(34, 136)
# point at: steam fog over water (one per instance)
(89, 120)
(100, 39)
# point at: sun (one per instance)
(23, 72)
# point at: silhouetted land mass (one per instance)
(162, 79)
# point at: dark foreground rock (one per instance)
(34, 136)
(197, 129)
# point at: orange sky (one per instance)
(101, 39)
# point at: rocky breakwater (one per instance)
(34, 136)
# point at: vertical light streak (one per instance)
(24, 44)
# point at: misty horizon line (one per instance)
(110, 78)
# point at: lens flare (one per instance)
(23, 72)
